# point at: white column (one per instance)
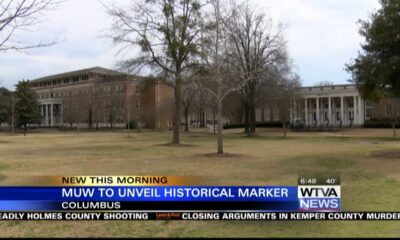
(62, 115)
(318, 117)
(52, 114)
(330, 110)
(46, 119)
(41, 113)
(342, 110)
(361, 116)
(355, 111)
(295, 109)
(306, 111)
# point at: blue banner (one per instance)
(189, 193)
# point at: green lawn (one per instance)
(369, 183)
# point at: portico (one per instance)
(52, 113)
(329, 106)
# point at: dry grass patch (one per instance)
(369, 182)
(386, 154)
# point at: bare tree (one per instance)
(217, 78)
(392, 107)
(284, 93)
(114, 107)
(76, 108)
(69, 109)
(22, 15)
(256, 45)
(167, 31)
(95, 96)
(188, 98)
(13, 113)
(7, 108)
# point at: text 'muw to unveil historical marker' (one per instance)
(173, 198)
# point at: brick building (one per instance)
(99, 97)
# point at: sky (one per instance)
(322, 36)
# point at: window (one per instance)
(137, 89)
(85, 77)
(337, 116)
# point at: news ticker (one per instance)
(158, 197)
(200, 216)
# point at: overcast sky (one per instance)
(322, 36)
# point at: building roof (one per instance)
(99, 70)
(330, 86)
(329, 89)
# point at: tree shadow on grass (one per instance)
(224, 155)
(175, 145)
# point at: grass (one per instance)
(369, 182)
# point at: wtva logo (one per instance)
(319, 198)
(318, 192)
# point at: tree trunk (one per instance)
(90, 118)
(186, 120)
(12, 124)
(138, 126)
(214, 121)
(252, 120)
(128, 119)
(284, 129)
(13, 114)
(394, 129)
(246, 120)
(262, 114)
(177, 112)
(220, 134)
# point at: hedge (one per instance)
(275, 124)
(374, 124)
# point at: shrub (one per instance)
(380, 124)
(132, 125)
(274, 124)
